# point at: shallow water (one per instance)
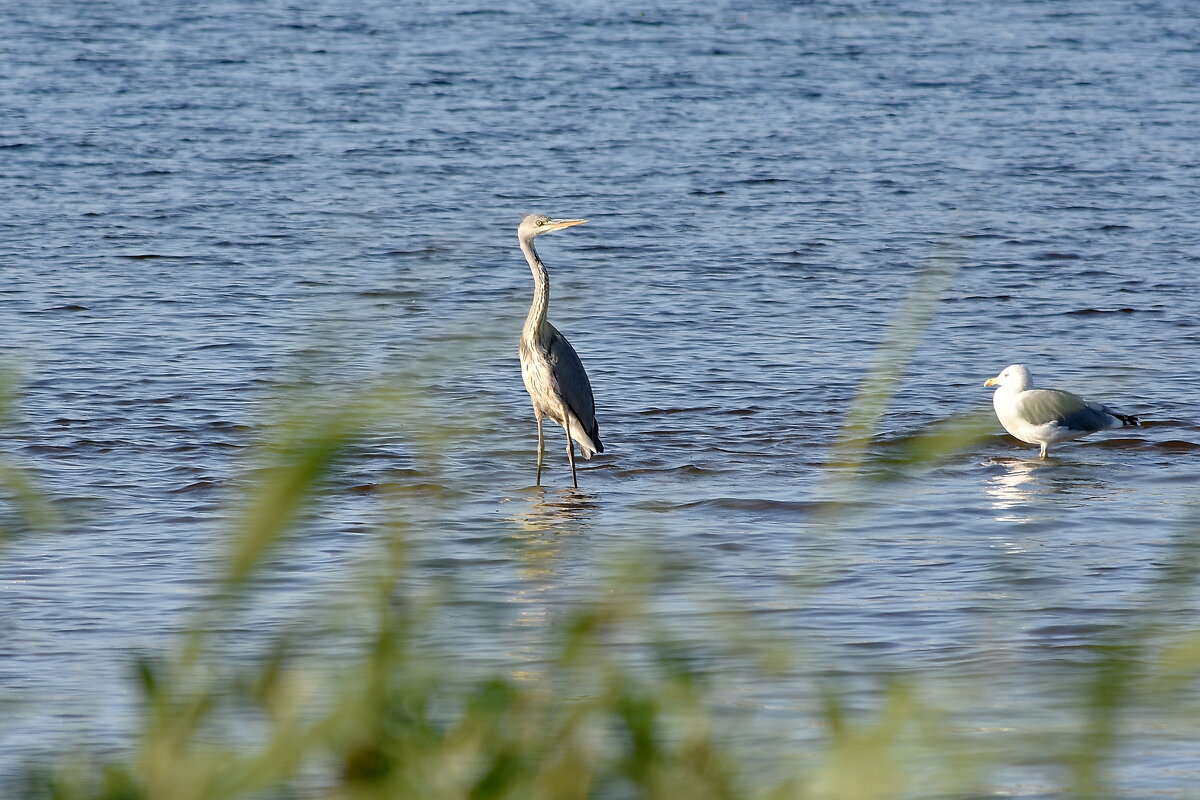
(202, 203)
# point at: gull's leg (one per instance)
(1045, 450)
(570, 446)
(541, 446)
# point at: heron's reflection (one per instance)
(546, 523)
(553, 512)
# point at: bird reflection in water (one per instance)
(1013, 489)
(547, 528)
(1020, 488)
(554, 512)
(544, 523)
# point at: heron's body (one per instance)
(1047, 416)
(542, 366)
(554, 376)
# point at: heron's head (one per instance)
(537, 224)
(1015, 376)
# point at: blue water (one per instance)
(203, 203)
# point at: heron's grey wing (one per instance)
(1040, 406)
(573, 382)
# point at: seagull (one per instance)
(1043, 416)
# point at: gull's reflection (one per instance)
(1020, 486)
(1013, 489)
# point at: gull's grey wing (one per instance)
(574, 385)
(1040, 406)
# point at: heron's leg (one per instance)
(541, 447)
(570, 446)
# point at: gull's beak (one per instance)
(992, 381)
(559, 224)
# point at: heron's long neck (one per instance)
(541, 290)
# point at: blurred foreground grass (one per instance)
(618, 709)
(396, 719)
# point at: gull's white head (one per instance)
(1014, 376)
(536, 224)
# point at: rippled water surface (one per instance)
(203, 201)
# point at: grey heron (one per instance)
(1046, 416)
(554, 376)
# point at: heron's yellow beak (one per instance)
(991, 382)
(559, 224)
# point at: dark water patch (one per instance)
(662, 412)
(1111, 443)
(197, 486)
(779, 508)
(456, 563)
(1089, 312)
(682, 469)
(1073, 631)
(606, 248)
(47, 449)
(873, 646)
(1177, 446)
(154, 401)
(218, 444)
(416, 251)
(401, 293)
(217, 346)
(227, 426)
(1164, 422)
(190, 448)
(105, 445)
(1053, 256)
(761, 181)
(254, 158)
(427, 488)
